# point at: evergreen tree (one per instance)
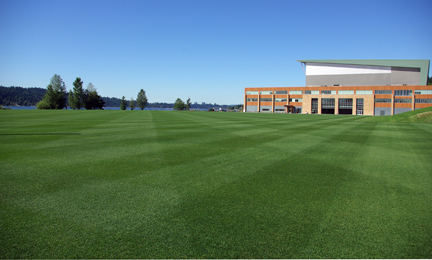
(56, 95)
(91, 98)
(141, 99)
(132, 104)
(123, 103)
(76, 97)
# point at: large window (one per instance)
(280, 99)
(312, 92)
(314, 106)
(403, 92)
(423, 92)
(345, 106)
(382, 100)
(328, 92)
(423, 100)
(364, 92)
(252, 99)
(345, 103)
(403, 100)
(296, 99)
(251, 92)
(346, 92)
(266, 100)
(360, 106)
(266, 92)
(296, 92)
(281, 92)
(327, 106)
(383, 92)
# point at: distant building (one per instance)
(357, 87)
(203, 103)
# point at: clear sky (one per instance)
(208, 50)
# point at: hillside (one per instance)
(417, 116)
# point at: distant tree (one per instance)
(76, 97)
(188, 104)
(56, 95)
(123, 103)
(141, 99)
(429, 81)
(179, 104)
(132, 104)
(91, 98)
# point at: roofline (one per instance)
(423, 65)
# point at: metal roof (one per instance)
(422, 64)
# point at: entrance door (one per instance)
(359, 112)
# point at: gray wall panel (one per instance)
(408, 76)
(398, 76)
(399, 110)
(251, 109)
(262, 109)
(279, 107)
(387, 111)
(349, 80)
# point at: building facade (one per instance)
(356, 87)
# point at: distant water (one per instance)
(105, 108)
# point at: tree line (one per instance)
(56, 96)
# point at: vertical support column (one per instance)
(273, 102)
(259, 102)
(244, 103)
(392, 104)
(413, 100)
(354, 106)
(319, 105)
(336, 106)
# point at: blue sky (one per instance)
(208, 50)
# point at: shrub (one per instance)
(43, 105)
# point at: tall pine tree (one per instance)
(141, 99)
(76, 97)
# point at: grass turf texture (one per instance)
(157, 184)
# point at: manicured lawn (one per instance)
(141, 184)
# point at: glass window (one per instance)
(403, 100)
(328, 103)
(281, 92)
(251, 92)
(382, 100)
(423, 100)
(279, 109)
(403, 93)
(383, 92)
(328, 92)
(423, 92)
(252, 99)
(266, 99)
(346, 92)
(345, 103)
(364, 92)
(314, 106)
(296, 99)
(280, 99)
(266, 92)
(296, 92)
(312, 92)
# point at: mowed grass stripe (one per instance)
(141, 184)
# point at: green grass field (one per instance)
(141, 184)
